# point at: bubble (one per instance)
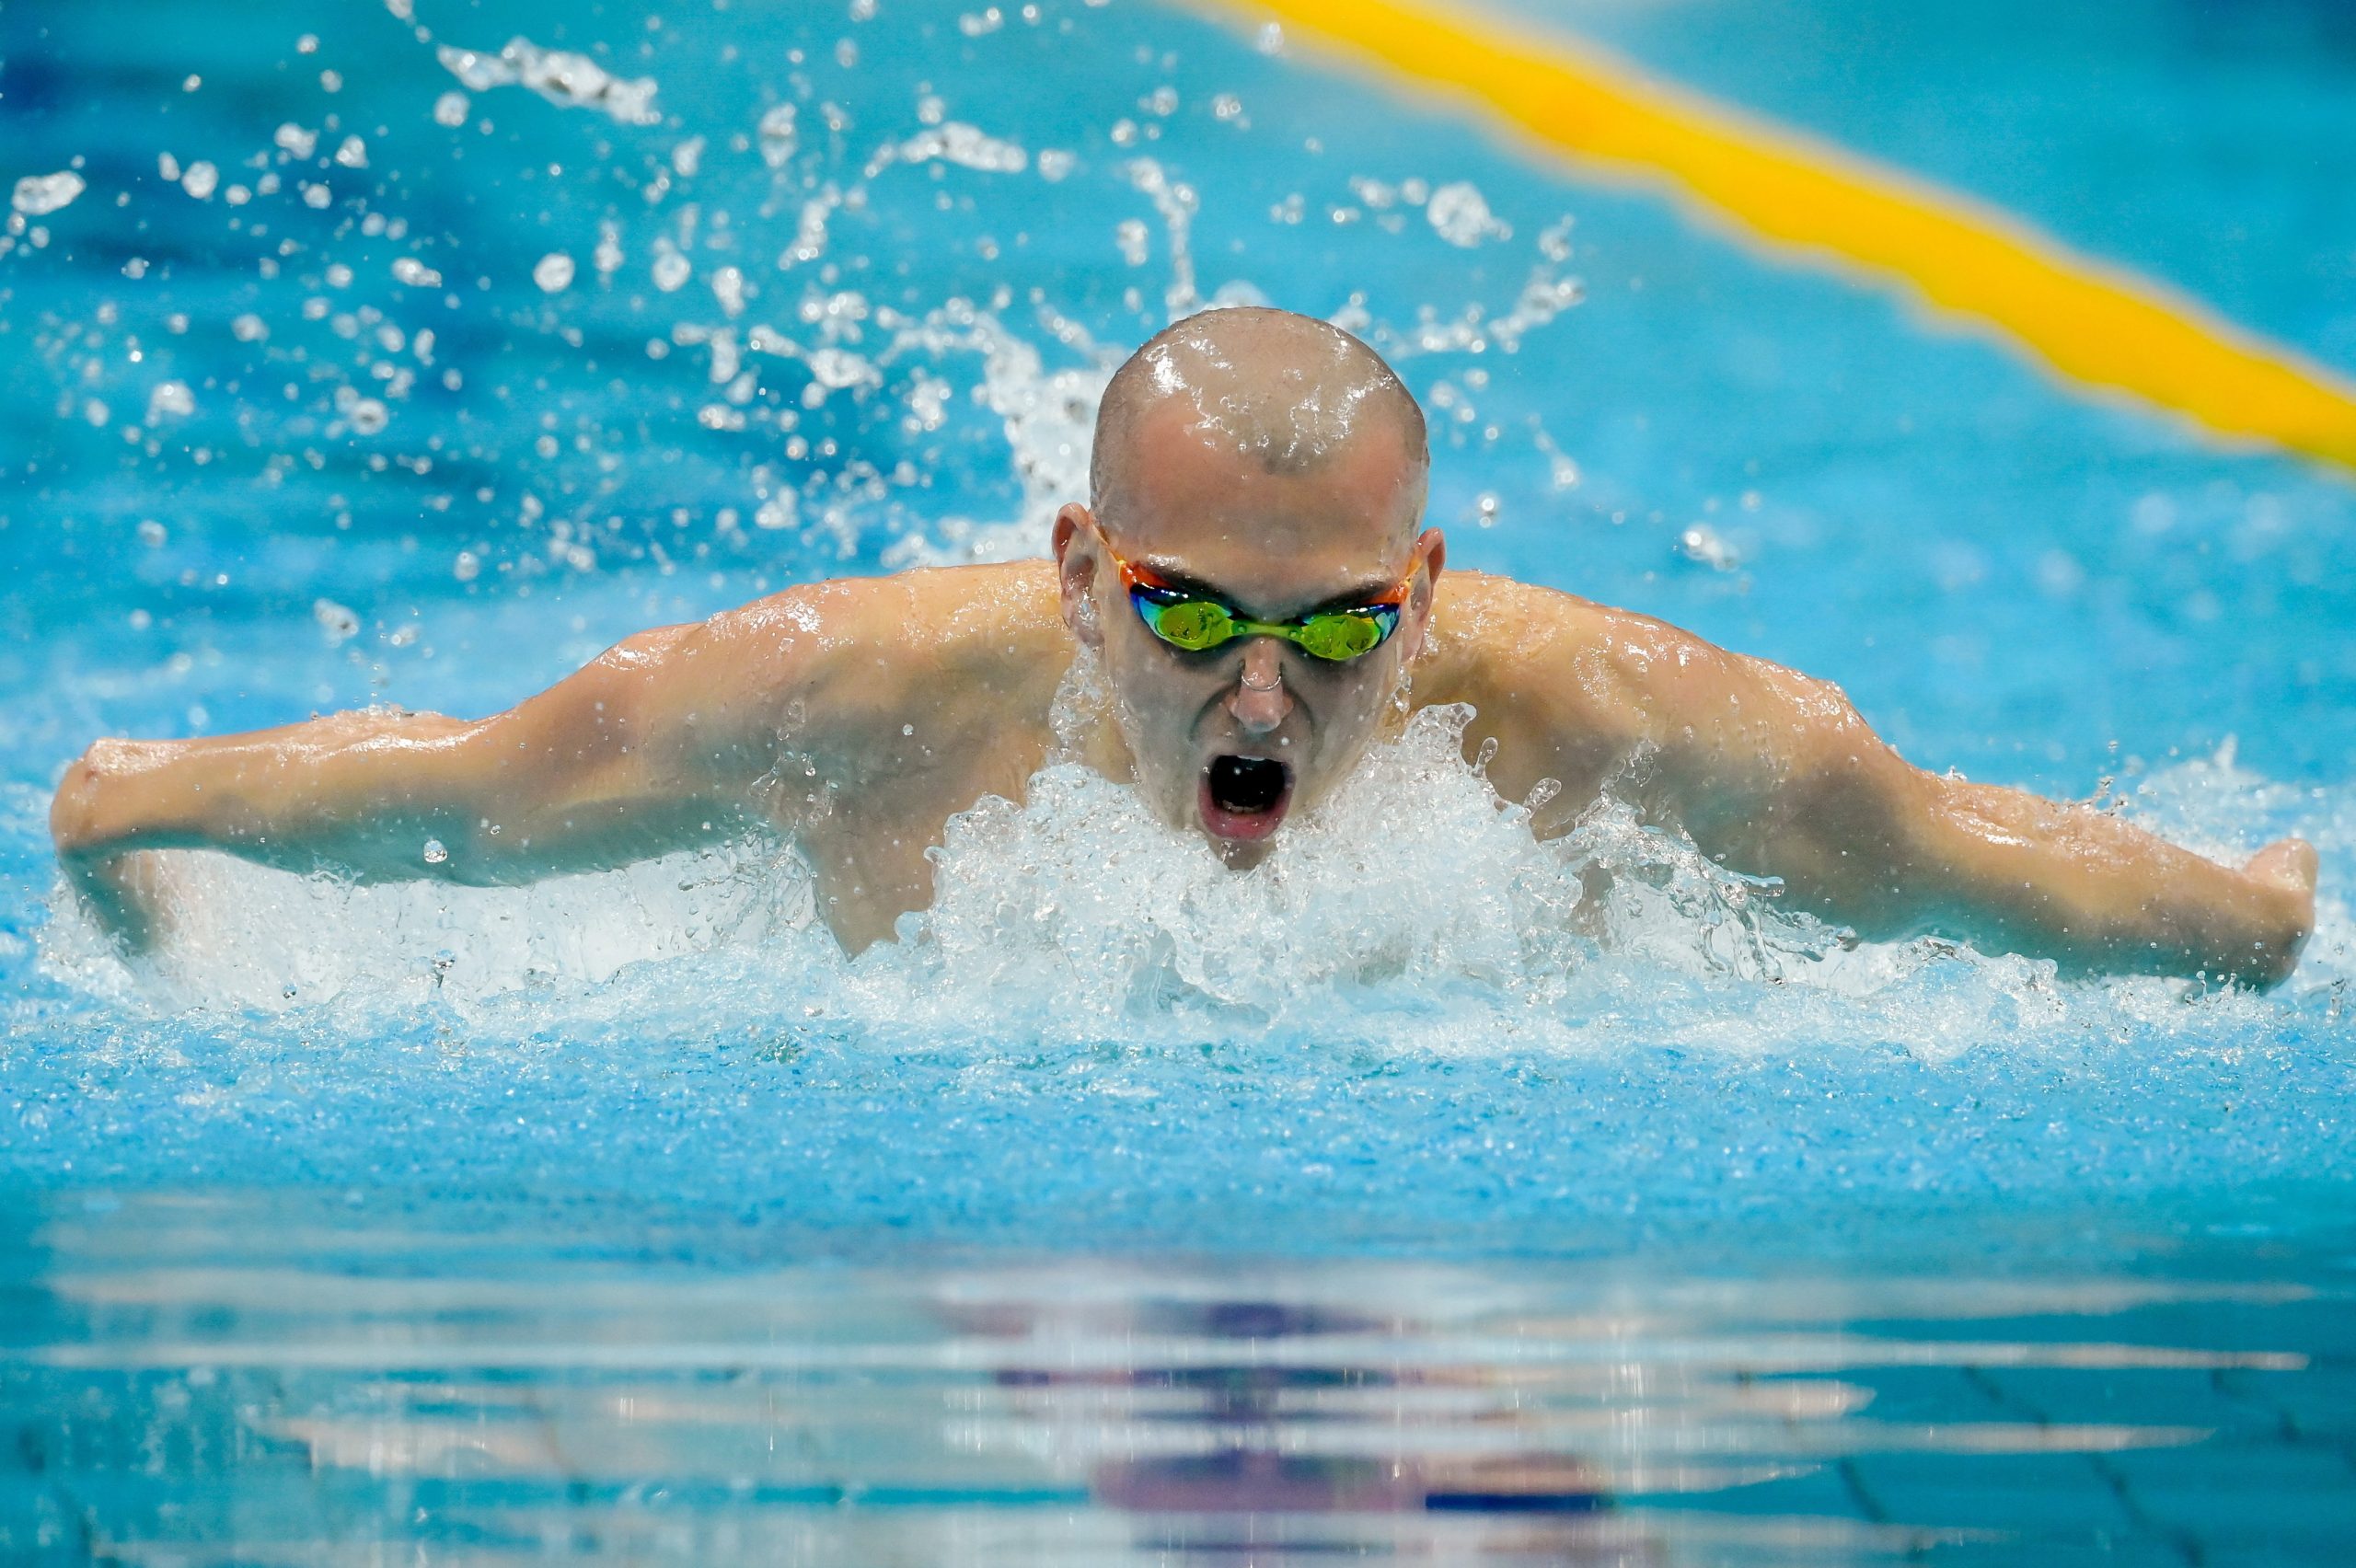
(671, 271)
(553, 272)
(353, 153)
(435, 854)
(151, 533)
(199, 180)
(467, 567)
(295, 141)
(417, 274)
(450, 109)
(367, 415)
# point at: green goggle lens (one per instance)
(1196, 625)
(1339, 636)
(1191, 624)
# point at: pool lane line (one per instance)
(2093, 322)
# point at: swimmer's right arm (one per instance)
(658, 745)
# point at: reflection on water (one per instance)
(363, 1395)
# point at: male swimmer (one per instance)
(1251, 573)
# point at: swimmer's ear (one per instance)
(1075, 552)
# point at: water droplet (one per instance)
(1459, 214)
(170, 398)
(553, 272)
(39, 193)
(339, 622)
(1129, 235)
(434, 853)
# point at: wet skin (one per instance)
(856, 717)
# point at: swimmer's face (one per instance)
(1204, 728)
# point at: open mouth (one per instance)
(1245, 797)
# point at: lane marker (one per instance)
(2095, 323)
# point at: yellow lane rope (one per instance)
(2094, 323)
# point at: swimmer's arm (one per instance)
(658, 745)
(1776, 775)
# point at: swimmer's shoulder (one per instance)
(926, 643)
(1507, 644)
(912, 620)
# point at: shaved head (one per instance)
(1289, 390)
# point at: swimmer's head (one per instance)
(1274, 464)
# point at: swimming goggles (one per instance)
(1195, 621)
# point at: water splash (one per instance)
(1413, 893)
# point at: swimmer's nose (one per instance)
(1260, 701)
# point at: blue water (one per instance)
(624, 1219)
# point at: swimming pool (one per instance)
(625, 1219)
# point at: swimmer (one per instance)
(1251, 581)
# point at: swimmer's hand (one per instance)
(2284, 873)
(122, 891)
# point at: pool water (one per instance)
(1506, 1219)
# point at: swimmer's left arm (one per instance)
(1776, 774)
